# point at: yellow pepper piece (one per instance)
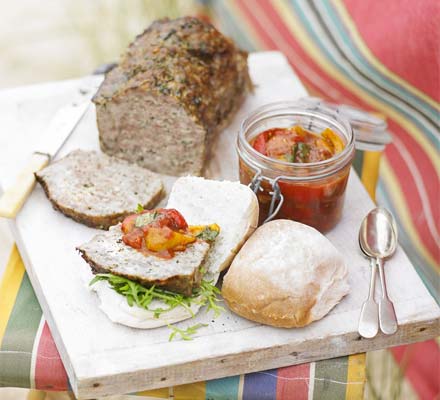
(333, 140)
(159, 239)
(299, 130)
(196, 229)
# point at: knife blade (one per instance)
(60, 127)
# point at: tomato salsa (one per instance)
(317, 201)
(297, 145)
(162, 232)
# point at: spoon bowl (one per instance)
(378, 234)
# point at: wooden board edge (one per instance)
(252, 361)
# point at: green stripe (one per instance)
(18, 341)
(224, 388)
(314, 30)
(232, 26)
(330, 379)
(358, 162)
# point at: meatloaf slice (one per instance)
(106, 253)
(176, 86)
(97, 190)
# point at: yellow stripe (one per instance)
(370, 171)
(354, 34)
(155, 394)
(295, 26)
(9, 287)
(36, 395)
(356, 377)
(237, 14)
(192, 391)
(391, 182)
(240, 387)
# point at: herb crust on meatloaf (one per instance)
(176, 86)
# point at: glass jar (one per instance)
(311, 193)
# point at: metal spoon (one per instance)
(378, 240)
(369, 319)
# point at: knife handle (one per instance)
(13, 199)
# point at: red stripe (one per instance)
(49, 370)
(275, 23)
(412, 197)
(293, 382)
(412, 51)
(421, 364)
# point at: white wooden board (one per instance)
(104, 358)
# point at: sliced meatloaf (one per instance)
(177, 84)
(106, 253)
(97, 190)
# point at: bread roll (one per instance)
(287, 275)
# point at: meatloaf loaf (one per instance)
(176, 86)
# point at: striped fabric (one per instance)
(29, 358)
(329, 45)
(383, 57)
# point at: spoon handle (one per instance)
(387, 315)
(368, 321)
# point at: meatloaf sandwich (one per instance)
(160, 266)
(175, 87)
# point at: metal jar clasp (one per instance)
(277, 198)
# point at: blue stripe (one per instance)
(349, 72)
(397, 90)
(260, 385)
(231, 26)
(223, 389)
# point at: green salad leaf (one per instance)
(208, 293)
(299, 153)
(139, 208)
(185, 334)
(137, 294)
(145, 219)
(207, 234)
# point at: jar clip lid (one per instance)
(276, 197)
(370, 132)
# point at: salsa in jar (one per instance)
(310, 163)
